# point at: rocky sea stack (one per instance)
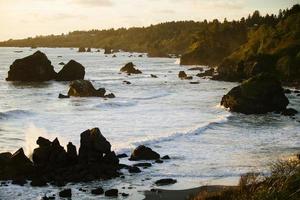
(37, 68)
(260, 94)
(84, 88)
(33, 68)
(53, 164)
(129, 68)
(71, 71)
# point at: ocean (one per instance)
(207, 144)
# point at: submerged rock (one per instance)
(129, 68)
(84, 88)
(65, 193)
(61, 96)
(111, 193)
(71, 71)
(260, 94)
(289, 112)
(35, 68)
(97, 191)
(144, 153)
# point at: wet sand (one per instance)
(159, 194)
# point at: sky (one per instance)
(28, 18)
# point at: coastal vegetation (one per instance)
(241, 48)
(282, 183)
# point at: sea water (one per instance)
(207, 144)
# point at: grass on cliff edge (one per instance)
(283, 183)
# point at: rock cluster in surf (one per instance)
(51, 163)
(37, 68)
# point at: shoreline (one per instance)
(163, 194)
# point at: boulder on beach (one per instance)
(71, 71)
(144, 153)
(260, 94)
(129, 68)
(84, 88)
(166, 181)
(81, 49)
(35, 68)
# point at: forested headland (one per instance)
(272, 42)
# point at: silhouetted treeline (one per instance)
(171, 37)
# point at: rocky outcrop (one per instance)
(183, 76)
(71, 71)
(35, 67)
(52, 163)
(157, 54)
(84, 88)
(107, 50)
(81, 49)
(209, 72)
(144, 153)
(238, 70)
(129, 68)
(260, 94)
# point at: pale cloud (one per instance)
(24, 18)
(94, 2)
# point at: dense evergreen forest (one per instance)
(271, 42)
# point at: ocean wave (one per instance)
(152, 97)
(173, 136)
(14, 114)
(116, 104)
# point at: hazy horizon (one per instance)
(19, 19)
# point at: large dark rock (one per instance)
(260, 94)
(71, 71)
(34, 68)
(84, 88)
(15, 165)
(5, 158)
(93, 146)
(129, 68)
(144, 153)
(49, 155)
